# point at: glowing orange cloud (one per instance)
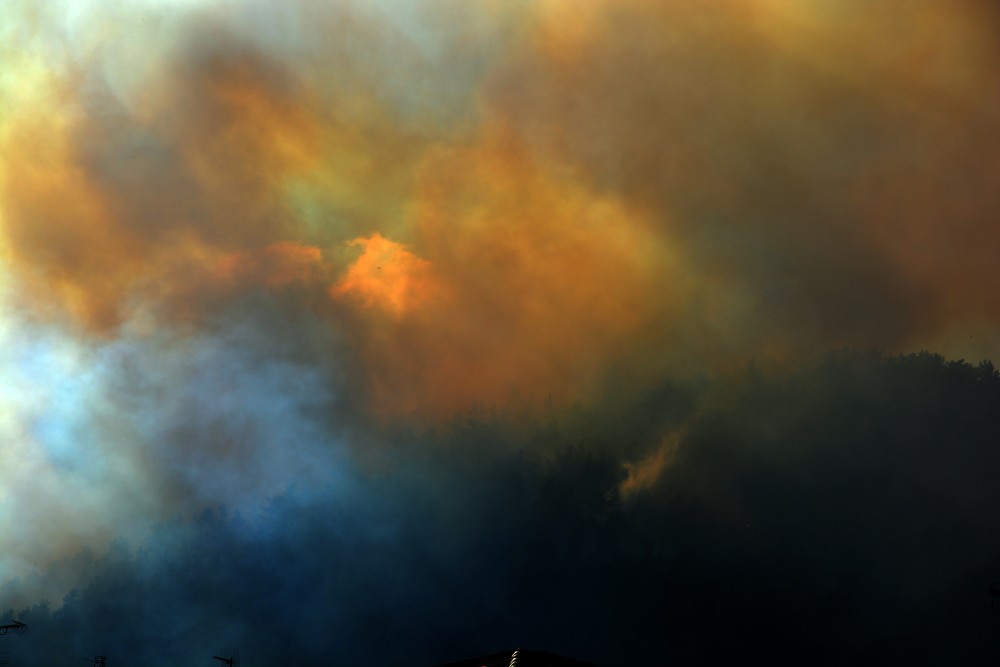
(386, 276)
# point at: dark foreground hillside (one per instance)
(844, 513)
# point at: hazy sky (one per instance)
(256, 248)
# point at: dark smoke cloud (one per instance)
(817, 515)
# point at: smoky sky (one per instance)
(429, 329)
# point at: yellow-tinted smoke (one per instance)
(117, 189)
(520, 282)
(833, 161)
(582, 186)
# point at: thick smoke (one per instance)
(443, 300)
(672, 186)
(798, 517)
(102, 438)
